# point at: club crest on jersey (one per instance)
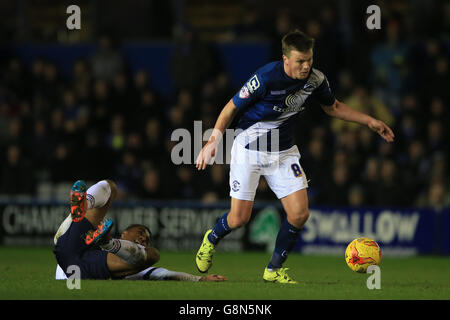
(236, 186)
(244, 94)
(253, 84)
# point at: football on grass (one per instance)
(361, 253)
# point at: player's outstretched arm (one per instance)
(342, 111)
(223, 121)
(183, 276)
(158, 274)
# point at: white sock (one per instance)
(130, 252)
(98, 194)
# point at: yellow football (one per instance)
(361, 253)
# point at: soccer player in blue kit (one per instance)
(271, 102)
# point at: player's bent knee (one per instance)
(304, 214)
(113, 186)
(236, 221)
(299, 218)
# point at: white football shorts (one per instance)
(282, 171)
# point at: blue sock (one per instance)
(220, 230)
(286, 240)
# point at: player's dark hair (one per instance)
(139, 225)
(296, 40)
(151, 241)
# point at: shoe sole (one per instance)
(104, 233)
(77, 213)
(78, 190)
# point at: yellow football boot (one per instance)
(204, 255)
(278, 276)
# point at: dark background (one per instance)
(102, 102)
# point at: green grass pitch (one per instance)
(28, 273)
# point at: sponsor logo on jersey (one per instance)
(288, 109)
(253, 84)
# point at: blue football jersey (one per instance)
(272, 100)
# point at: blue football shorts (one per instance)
(70, 249)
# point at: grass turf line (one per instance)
(28, 273)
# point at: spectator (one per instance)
(99, 160)
(16, 175)
(435, 139)
(366, 142)
(116, 138)
(363, 101)
(186, 188)
(370, 180)
(335, 193)
(218, 183)
(40, 146)
(16, 80)
(283, 24)
(4, 119)
(151, 188)
(128, 175)
(251, 26)
(389, 64)
(222, 91)
(107, 62)
(356, 197)
(192, 62)
(121, 95)
(82, 73)
(436, 196)
(153, 141)
(314, 162)
(415, 169)
(388, 192)
(51, 84)
(101, 106)
(69, 105)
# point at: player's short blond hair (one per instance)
(296, 40)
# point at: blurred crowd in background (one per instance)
(107, 122)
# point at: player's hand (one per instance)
(207, 153)
(382, 129)
(213, 277)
